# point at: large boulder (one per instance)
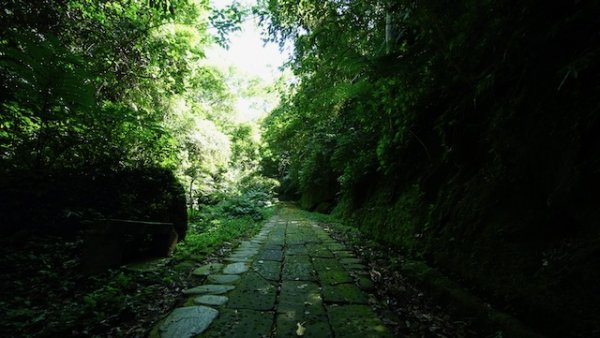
(62, 200)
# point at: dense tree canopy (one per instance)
(459, 131)
(376, 78)
(107, 85)
(463, 133)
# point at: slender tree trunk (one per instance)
(388, 31)
(191, 193)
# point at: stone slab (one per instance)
(300, 297)
(315, 326)
(293, 250)
(271, 255)
(210, 289)
(235, 268)
(207, 269)
(223, 279)
(211, 300)
(237, 259)
(241, 323)
(327, 264)
(319, 252)
(333, 277)
(356, 267)
(187, 321)
(298, 271)
(356, 321)
(244, 253)
(343, 254)
(254, 293)
(350, 261)
(271, 246)
(304, 259)
(344, 293)
(270, 270)
(336, 246)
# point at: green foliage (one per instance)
(255, 193)
(457, 131)
(398, 224)
(102, 87)
(227, 20)
(85, 87)
(102, 103)
(44, 294)
(92, 84)
(214, 225)
(247, 204)
(108, 299)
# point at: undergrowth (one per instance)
(44, 294)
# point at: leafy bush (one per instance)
(246, 204)
(110, 298)
(254, 193)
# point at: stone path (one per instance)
(290, 280)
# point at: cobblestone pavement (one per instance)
(290, 280)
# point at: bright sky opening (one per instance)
(251, 57)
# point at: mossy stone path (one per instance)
(290, 280)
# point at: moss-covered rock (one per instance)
(61, 200)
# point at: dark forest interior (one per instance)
(459, 139)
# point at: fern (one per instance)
(38, 73)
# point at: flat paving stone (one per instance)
(333, 277)
(350, 261)
(211, 300)
(304, 259)
(299, 297)
(292, 273)
(300, 302)
(271, 246)
(356, 267)
(331, 271)
(355, 321)
(245, 252)
(223, 279)
(241, 323)
(294, 242)
(327, 264)
(254, 293)
(270, 270)
(336, 247)
(246, 244)
(212, 289)
(271, 255)
(293, 250)
(314, 327)
(248, 248)
(207, 269)
(235, 268)
(187, 321)
(343, 254)
(238, 259)
(344, 293)
(321, 254)
(318, 251)
(298, 269)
